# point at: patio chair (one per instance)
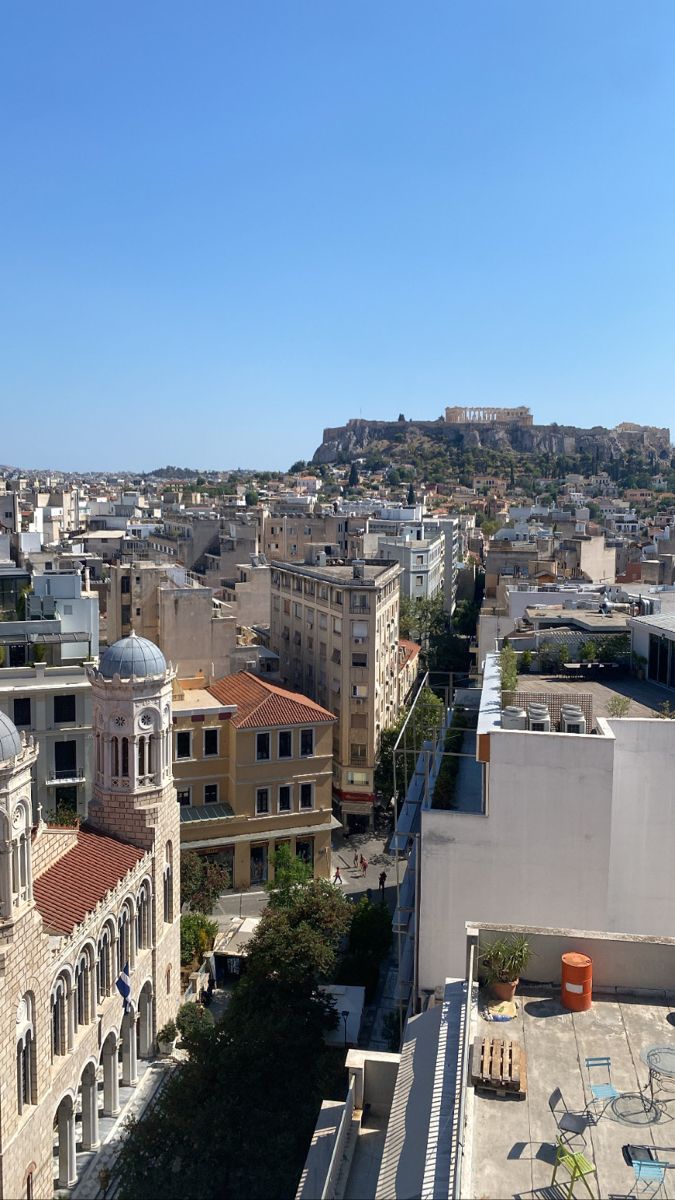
(577, 1166)
(569, 1124)
(601, 1091)
(649, 1177)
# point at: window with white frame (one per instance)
(285, 743)
(210, 793)
(284, 798)
(25, 1053)
(210, 742)
(184, 744)
(262, 801)
(262, 747)
(306, 795)
(306, 742)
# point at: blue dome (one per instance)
(132, 658)
(10, 742)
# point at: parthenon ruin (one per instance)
(488, 416)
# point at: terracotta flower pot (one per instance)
(504, 991)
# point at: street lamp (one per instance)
(344, 1014)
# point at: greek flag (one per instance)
(123, 985)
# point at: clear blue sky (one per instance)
(225, 225)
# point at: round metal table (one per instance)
(634, 1108)
(660, 1061)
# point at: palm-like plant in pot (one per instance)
(502, 961)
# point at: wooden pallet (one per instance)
(499, 1065)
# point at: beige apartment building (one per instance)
(253, 771)
(170, 606)
(335, 629)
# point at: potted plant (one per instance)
(502, 961)
(166, 1038)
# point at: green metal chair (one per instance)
(577, 1166)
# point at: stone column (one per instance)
(129, 1063)
(90, 1139)
(111, 1084)
(67, 1150)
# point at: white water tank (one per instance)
(514, 717)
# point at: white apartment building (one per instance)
(54, 705)
(335, 629)
(574, 831)
(422, 562)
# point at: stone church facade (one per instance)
(77, 906)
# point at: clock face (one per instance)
(145, 720)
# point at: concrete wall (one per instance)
(539, 856)
(619, 961)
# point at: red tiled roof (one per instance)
(75, 883)
(261, 704)
(407, 649)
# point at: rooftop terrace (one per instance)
(646, 698)
(513, 1147)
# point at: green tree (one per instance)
(251, 498)
(618, 706)
(410, 498)
(290, 872)
(201, 881)
(508, 670)
(465, 617)
(370, 930)
(197, 933)
(353, 476)
(298, 467)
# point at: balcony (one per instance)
(65, 776)
(357, 608)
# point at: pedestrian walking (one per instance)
(337, 878)
(364, 865)
(356, 859)
(383, 880)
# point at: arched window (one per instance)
(22, 883)
(168, 883)
(25, 1052)
(115, 756)
(143, 917)
(168, 981)
(62, 999)
(126, 928)
(83, 989)
(104, 964)
(125, 757)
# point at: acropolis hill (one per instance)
(478, 427)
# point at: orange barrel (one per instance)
(577, 982)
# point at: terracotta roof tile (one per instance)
(261, 704)
(77, 882)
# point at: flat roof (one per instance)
(197, 700)
(341, 574)
(584, 618)
(665, 622)
(512, 1143)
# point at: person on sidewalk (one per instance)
(337, 877)
(356, 860)
(383, 880)
(364, 864)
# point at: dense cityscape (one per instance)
(291, 762)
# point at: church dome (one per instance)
(132, 657)
(10, 742)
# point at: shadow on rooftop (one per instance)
(545, 1152)
(548, 1007)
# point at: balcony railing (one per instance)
(67, 775)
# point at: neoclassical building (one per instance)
(77, 905)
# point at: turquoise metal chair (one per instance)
(602, 1091)
(649, 1176)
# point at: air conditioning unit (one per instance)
(572, 719)
(514, 717)
(538, 718)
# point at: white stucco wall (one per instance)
(540, 857)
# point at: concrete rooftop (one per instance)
(645, 697)
(512, 1142)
